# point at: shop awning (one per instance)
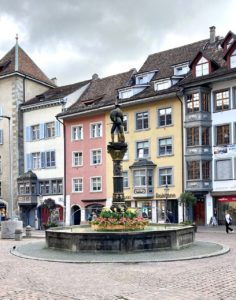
(227, 199)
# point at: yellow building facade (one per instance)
(152, 167)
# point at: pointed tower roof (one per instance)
(17, 60)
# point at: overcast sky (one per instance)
(73, 39)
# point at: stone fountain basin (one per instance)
(152, 238)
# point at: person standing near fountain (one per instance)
(228, 220)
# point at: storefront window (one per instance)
(145, 209)
(224, 205)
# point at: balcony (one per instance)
(199, 185)
(198, 150)
(27, 199)
(198, 116)
(143, 192)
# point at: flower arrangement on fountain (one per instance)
(112, 219)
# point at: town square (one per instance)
(117, 149)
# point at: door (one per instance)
(199, 212)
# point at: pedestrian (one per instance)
(228, 221)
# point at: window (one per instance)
(77, 132)
(142, 120)
(164, 116)
(193, 136)
(33, 189)
(77, 185)
(50, 159)
(36, 160)
(142, 149)
(221, 100)
(165, 176)
(125, 179)
(181, 70)
(46, 187)
(96, 130)
(56, 186)
(165, 146)
(77, 159)
(0, 165)
(223, 169)
(140, 178)
(50, 129)
(125, 94)
(96, 157)
(205, 102)
(27, 189)
(222, 135)
(193, 102)
(205, 136)
(233, 59)
(96, 184)
(202, 67)
(126, 156)
(35, 132)
(125, 123)
(162, 85)
(193, 170)
(206, 169)
(21, 189)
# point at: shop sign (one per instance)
(227, 199)
(228, 149)
(165, 195)
(140, 191)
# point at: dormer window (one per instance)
(230, 42)
(233, 59)
(202, 67)
(181, 69)
(126, 94)
(162, 84)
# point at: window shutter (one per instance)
(28, 162)
(57, 128)
(28, 134)
(42, 154)
(42, 131)
(1, 137)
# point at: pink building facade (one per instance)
(85, 157)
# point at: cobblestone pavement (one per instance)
(208, 278)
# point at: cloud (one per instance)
(72, 39)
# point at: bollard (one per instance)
(18, 234)
(28, 231)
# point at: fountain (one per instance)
(129, 232)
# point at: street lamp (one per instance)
(166, 189)
(10, 210)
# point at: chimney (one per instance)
(54, 80)
(95, 76)
(212, 34)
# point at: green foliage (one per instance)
(188, 198)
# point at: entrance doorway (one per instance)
(75, 215)
(199, 212)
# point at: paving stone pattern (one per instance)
(208, 278)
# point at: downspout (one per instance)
(64, 180)
(182, 137)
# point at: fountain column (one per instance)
(117, 151)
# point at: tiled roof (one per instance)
(56, 93)
(26, 66)
(101, 92)
(165, 60)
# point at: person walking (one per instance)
(228, 221)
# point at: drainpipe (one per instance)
(64, 185)
(182, 137)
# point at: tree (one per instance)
(188, 200)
